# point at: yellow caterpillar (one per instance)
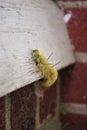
(49, 73)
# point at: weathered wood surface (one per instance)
(26, 25)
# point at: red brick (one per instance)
(74, 122)
(74, 83)
(2, 113)
(77, 28)
(23, 109)
(48, 103)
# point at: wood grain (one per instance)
(26, 25)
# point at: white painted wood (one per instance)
(26, 25)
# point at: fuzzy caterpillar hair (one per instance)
(49, 73)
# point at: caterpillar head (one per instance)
(36, 55)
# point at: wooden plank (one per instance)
(24, 28)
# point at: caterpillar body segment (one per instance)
(49, 73)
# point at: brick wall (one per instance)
(2, 113)
(23, 110)
(74, 78)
